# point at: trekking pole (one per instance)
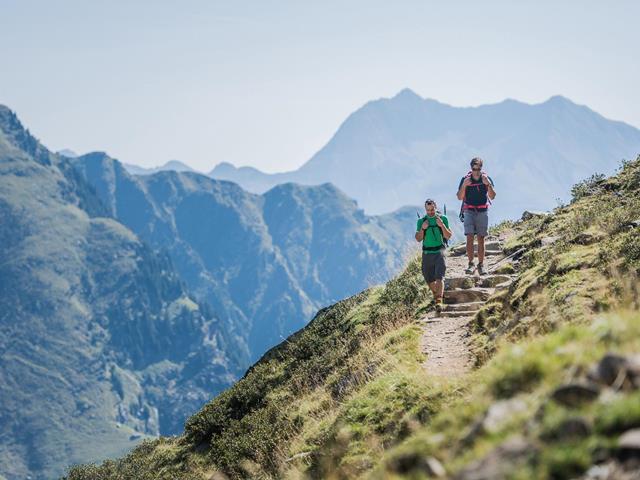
(513, 255)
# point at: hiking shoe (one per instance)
(438, 308)
(470, 269)
(481, 270)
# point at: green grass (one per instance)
(347, 396)
(531, 370)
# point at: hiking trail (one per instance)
(446, 337)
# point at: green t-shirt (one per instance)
(433, 239)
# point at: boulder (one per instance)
(550, 240)
(501, 413)
(629, 445)
(465, 296)
(529, 214)
(434, 468)
(632, 224)
(498, 415)
(569, 429)
(575, 394)
(505, 268)
(414, 462)
(501, 462)
(608, 368)
(459, 282)
(617, 370)
(495, 281)
(585, 238)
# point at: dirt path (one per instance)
(446, 337)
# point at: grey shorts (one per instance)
(476, 223)
(433, 266)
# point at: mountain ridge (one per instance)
(347, 395)
(393, 150)
(90, 361)
(300, 254)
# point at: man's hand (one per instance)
(485, 180)
(439, 221)
(425, 225)
(467, 182)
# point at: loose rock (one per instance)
(618, 371)
(501, 413)
(571, 428)
(575, 394)
(528, 214)
(629, 445)
(500, 462)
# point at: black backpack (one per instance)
(461, 214)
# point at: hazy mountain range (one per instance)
(171, 165)
(266, 262)
(397, 151)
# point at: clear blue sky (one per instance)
(267, 83)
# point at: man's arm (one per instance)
(420, 232)
(490, 191)
(463, 186)
(444, 226)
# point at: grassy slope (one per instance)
(346, 395)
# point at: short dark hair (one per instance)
(476, 161)
(429, 201)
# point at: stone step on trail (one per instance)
(467, 295)
(459, 282)
(491, 247)
(468, 281)
(457, 313)
(467, 307)
(489, 281)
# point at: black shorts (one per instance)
(433, 266)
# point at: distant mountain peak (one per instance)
(20, 137)
(177, 165)
(223, 167)
(9, 122)
(174, 165)
(4, 110)
(66, 152)
(407, 94)
(559, 100)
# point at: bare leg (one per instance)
(439, 290)
(470, 247)
(432, 287)
(480, 249)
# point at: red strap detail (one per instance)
(477, 185)
(475, 207)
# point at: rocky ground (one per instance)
(446, 337)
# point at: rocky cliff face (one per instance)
(101, 344)
(265, 262)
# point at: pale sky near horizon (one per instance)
(267, 83)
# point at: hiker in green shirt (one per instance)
(433, 230)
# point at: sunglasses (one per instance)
(476, 169)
